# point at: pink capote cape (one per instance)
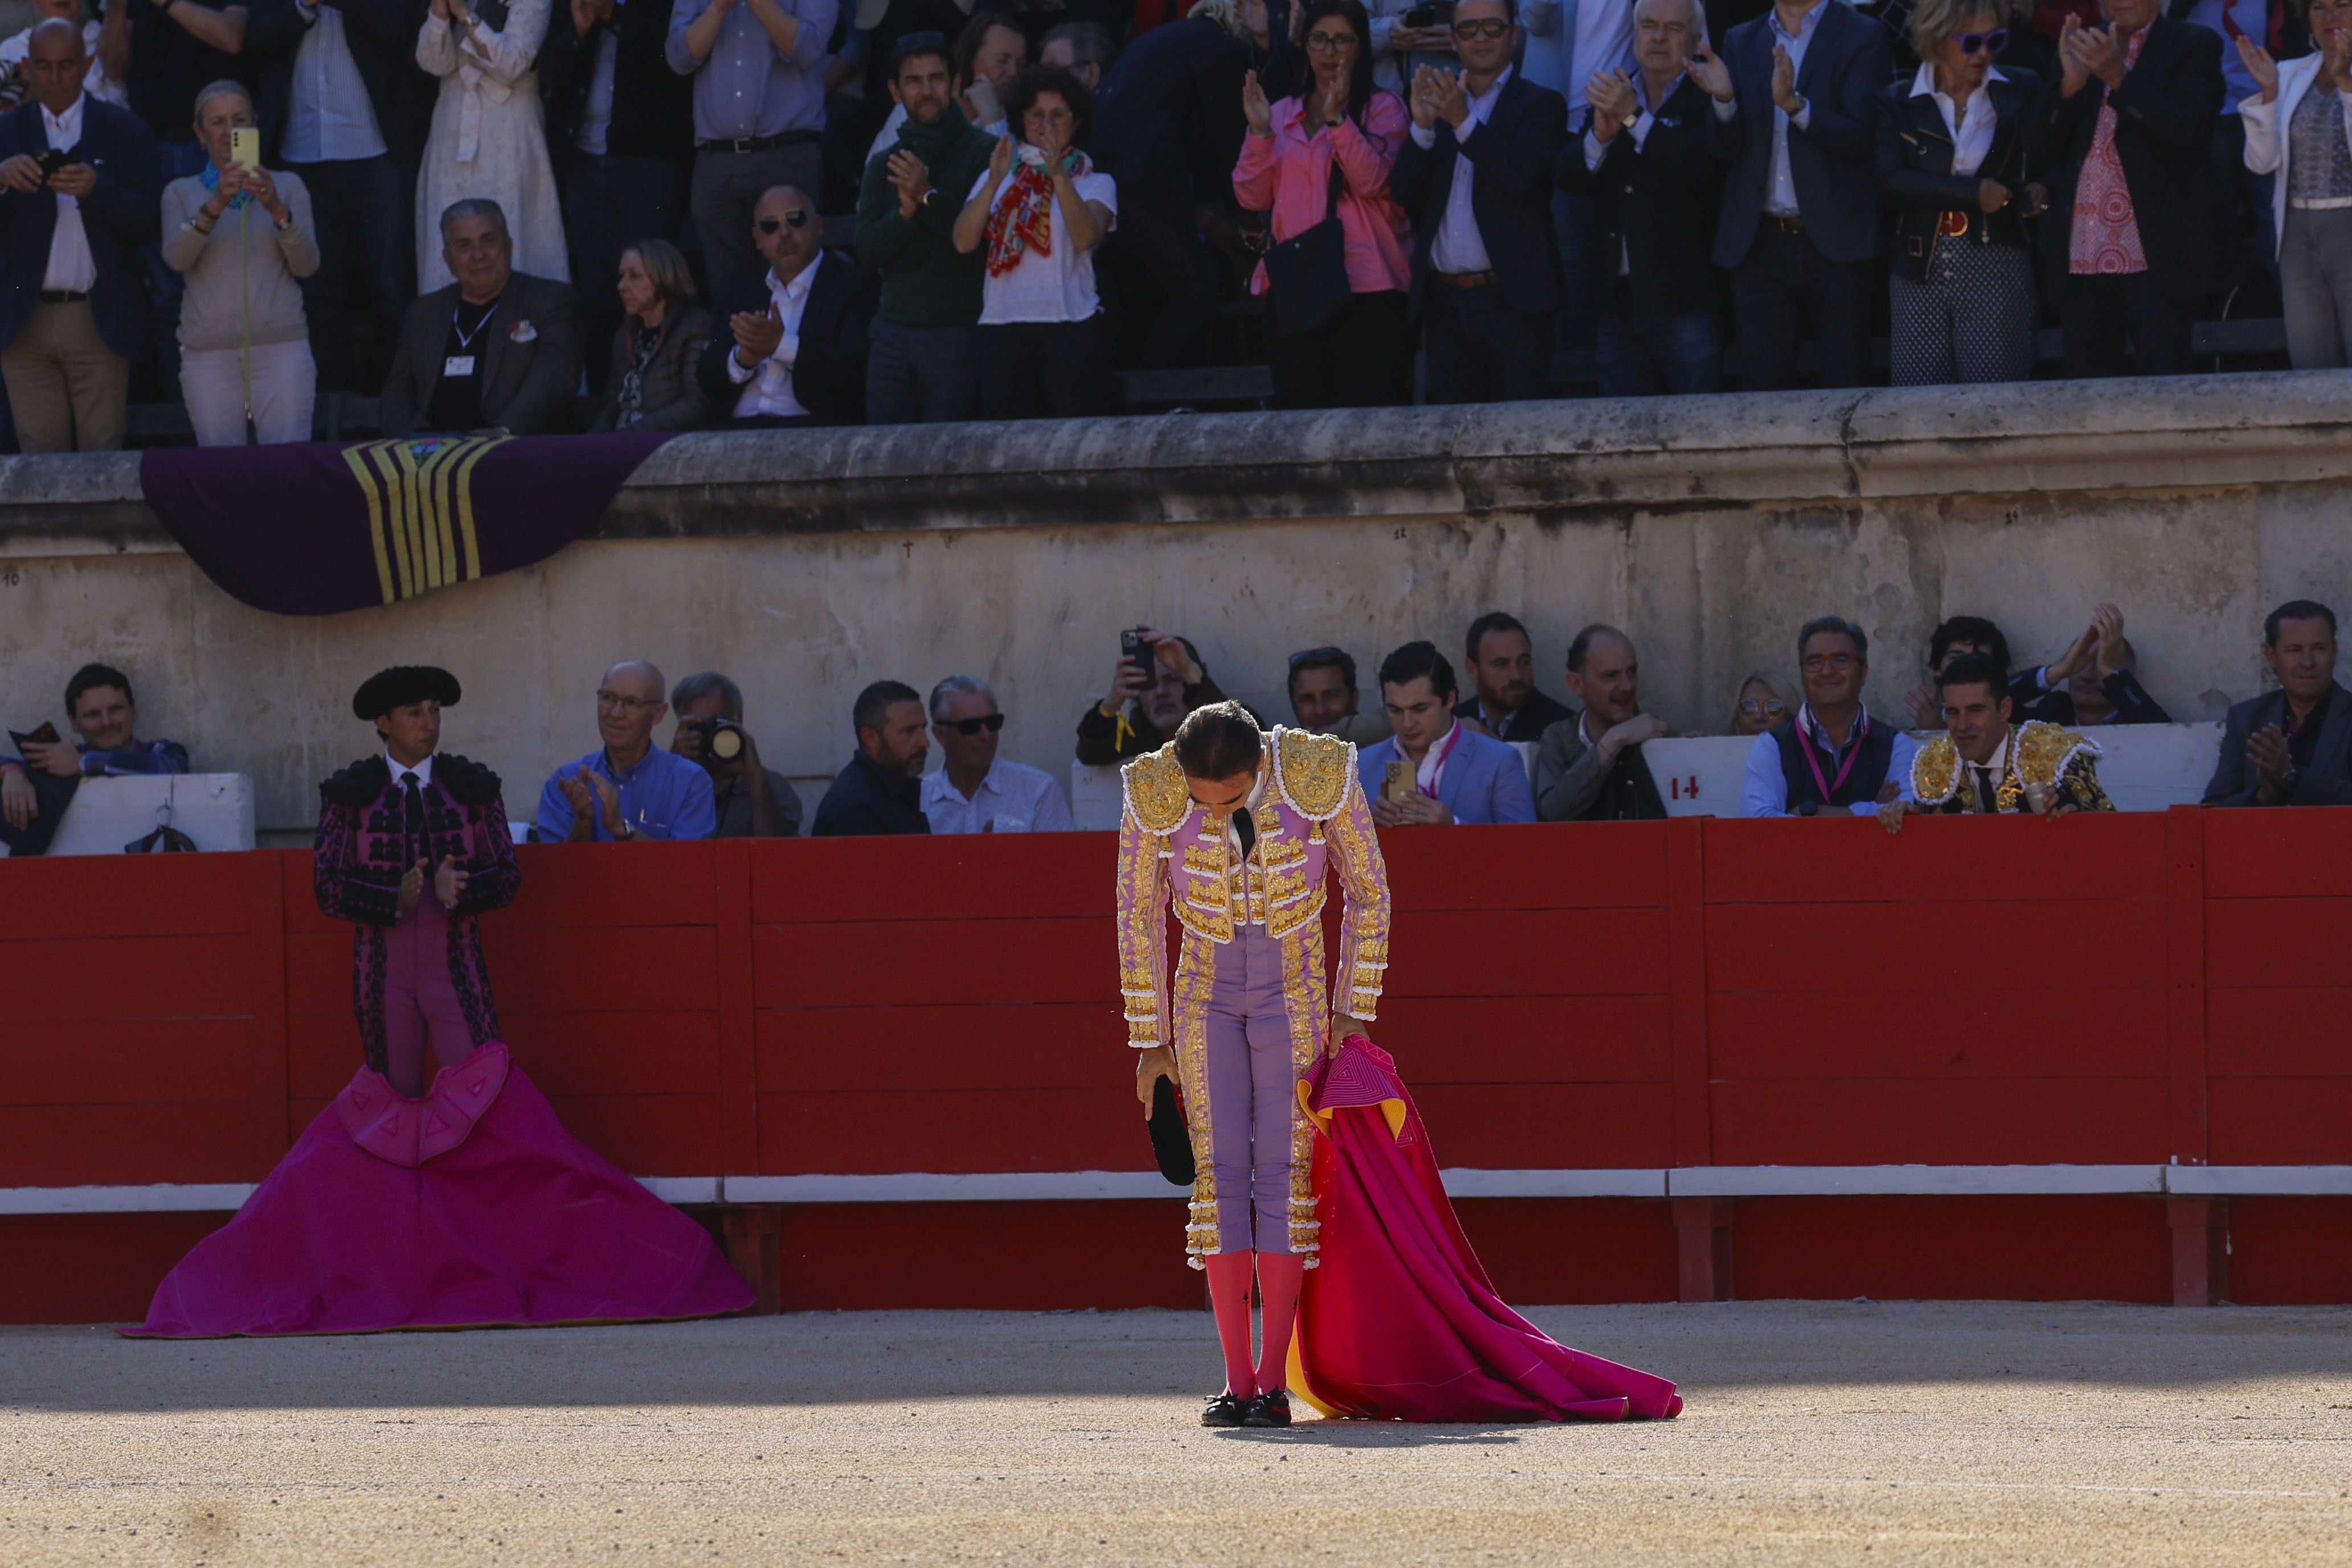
(469, 1207)
(1399, 1320)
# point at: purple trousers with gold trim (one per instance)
(421, 1009)
(1250, 1017)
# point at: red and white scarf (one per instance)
(1023, 219)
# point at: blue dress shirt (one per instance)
(662, 796)
(746, 89)
(1765, 792)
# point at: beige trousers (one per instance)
(67, 389)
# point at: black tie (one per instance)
(414, 833)
(1987, 799)
(1246, 829)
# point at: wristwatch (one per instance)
(2287, 781)
(934, 191)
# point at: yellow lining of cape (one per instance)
(1391, 1109)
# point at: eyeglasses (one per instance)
(631, 706)
(990, 722)
(1814, 664)
(1317, 657)
(1983, 43)
(797, 218)
(1482, 27)
(1771, 707)
(1331, 43)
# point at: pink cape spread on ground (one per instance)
(1399, 1322)
(470, 1206)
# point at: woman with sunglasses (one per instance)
(1759, 708)
(1325, 154)
(1041, 209)
(1955, 144)
(653, 384)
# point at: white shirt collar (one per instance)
(424, 771)
(1494, 90)
(65, 130)
(940, 787)
(1924, 84)
(1426, 772)
(784, 293)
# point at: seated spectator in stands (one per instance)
(242, 238)
(74, 312)
(2103, 689)
(991, 52)
(795, 351)
(104, 716)
(2298, 131)
(2126, 142)
(880, 791)
(1758, 707)
(924, 366)
(1953, 167)
(1983, 763)
(1655, 183)
(758, 115)
(1591, 768)
(488, 140)
(1040, 211)
(752, 799)
(497, 349)
(1323, 697)
(655, 379)
(1324, 351)
(1800, 230)
(1435, 768)
(1475, 174)
(975, 790)
(1505, 702)
(16, 81)
(1145, 702)
(2039, 692)
(1082, 49)
(2291, 746)
(627, 788)
(1832, 756)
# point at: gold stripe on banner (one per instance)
(423, 502)
(356, 457)
(480, 449)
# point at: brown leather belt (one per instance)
(1465, 280)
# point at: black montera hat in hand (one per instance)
(400, 685)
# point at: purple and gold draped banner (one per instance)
(316, 528)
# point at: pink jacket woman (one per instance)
(1290, 172)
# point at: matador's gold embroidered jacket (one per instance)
(2036, 754)
(1313, 815)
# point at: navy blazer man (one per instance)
(1490, 328)
(1799, 227)
(122, 212)
(829, 372)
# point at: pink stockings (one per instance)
(1278, 1276)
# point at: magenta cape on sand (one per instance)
(1399, 1322)
(469, 1206)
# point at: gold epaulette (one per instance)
(1312, 772)
(1935, 771)
(1157, 795)
(2046, 750)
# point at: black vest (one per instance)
(1877, 746)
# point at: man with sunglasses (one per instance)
(1475, 174)
(977, 791)
(795, 347)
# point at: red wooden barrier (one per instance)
(2137, 989)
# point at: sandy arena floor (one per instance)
(1858, 1433)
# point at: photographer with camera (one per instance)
(79, 196)
(753, 800)
(1158, 680)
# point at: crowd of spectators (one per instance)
(1428, 751)
(527, 215)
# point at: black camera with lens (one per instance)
(722, 738)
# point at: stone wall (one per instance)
(808, 564)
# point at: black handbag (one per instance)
(1306, 274)
(1172, 1145)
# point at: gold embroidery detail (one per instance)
(1308, 1008)
(1196, 979)
(2044, 750)
(1313, 771)
(1157, 795)
(1935, 771)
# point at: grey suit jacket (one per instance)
(2326, 782)
(528, 385)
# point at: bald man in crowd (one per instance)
(627, 788)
